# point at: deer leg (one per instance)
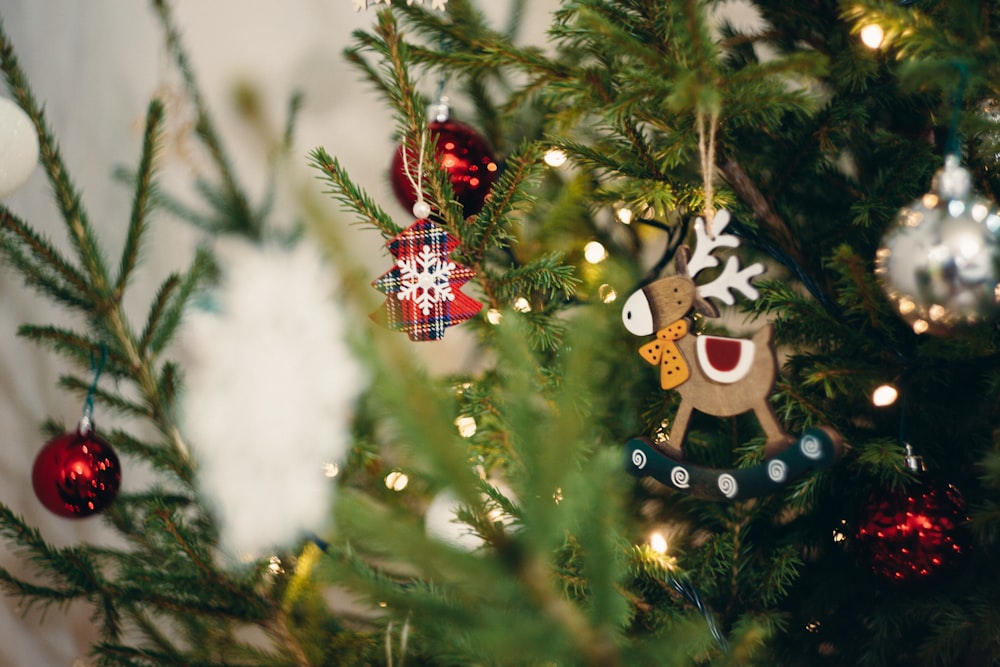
(778, 439)
(674, 446)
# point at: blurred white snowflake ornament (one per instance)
(365, 4)
(271, 384)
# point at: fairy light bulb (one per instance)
(624, 215)
(658, 543)
(840, 532)
(884, 395)
(521, 305)
(872, 35)
(466, 426)
(396, 480)
(494, 316)
(594, 252)
(555, 157)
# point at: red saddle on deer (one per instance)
(725, 360)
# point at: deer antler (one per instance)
(732, 278)
(706, 243)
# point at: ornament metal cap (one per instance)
(913, 462)
(953, 181)
(85, 425)
(439, 112)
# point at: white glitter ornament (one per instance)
(18, 147)
(939, 263)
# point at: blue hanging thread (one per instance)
(96, 367)
(951, 145)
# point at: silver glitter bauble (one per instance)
(939, 263)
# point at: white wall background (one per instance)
(95, 65)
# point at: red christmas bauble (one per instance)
(464, 154)
(76, 474)
(914, 533)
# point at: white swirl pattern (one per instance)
(811, 447)
(777, 471)
(680, 477)
(639, 458)
(728, 485)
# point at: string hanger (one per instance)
(421, 209)
(707, 126)
(96, 367)
(439, 113)
(951, 143)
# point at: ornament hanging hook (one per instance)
(440, 110)
(914, 462)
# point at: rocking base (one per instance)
(817, 449)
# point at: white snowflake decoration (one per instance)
(425, 280)
(364, 4)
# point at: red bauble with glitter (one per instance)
(76, 474)
(914, 533)
(464, 154)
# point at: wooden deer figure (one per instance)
(713, 374)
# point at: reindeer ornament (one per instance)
(713, 374)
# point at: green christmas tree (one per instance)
(617, 145)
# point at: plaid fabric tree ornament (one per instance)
(423, 291)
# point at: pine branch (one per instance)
(168, 308)
(46, 260)
(72, 566)
(234, 198)
(78, 347)
(141, 200)
(106, 306)
(42, 278)
(488, 229)
(157, 309)
(34, 594)
(66, 195)
(155, 454)
(777, 228)
(127, 656)
(547, 276)
(344, 189)
(114, 401)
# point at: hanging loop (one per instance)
(96, 367)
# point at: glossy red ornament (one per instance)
(76, 474)
(914, 533)
(464, 154)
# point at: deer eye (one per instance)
(637, 315)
